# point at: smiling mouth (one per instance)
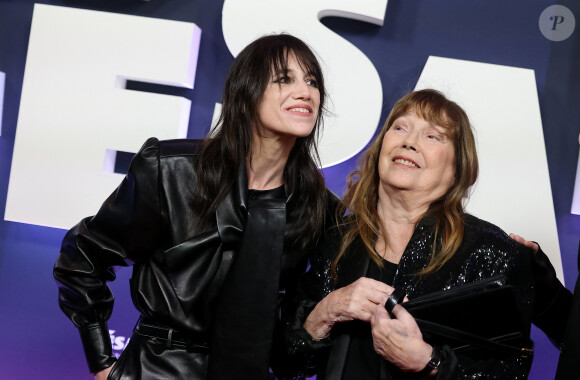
(402, 161)
(301, 110)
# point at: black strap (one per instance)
(172, 338)
(396, 297)
(471, 339)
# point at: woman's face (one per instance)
(417, 156)
(290, 104)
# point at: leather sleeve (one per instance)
(297, 355)
(552, 301)
(303, 356)
(126, 228)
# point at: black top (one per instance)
(255, 195)
(246, 307)
(362, 360)
(485, 251)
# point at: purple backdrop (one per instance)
(37, 341)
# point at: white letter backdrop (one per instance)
(75, 111)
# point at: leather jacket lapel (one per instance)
(192, 279)
(232, 212)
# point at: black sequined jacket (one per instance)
(148, 222)
(485, 251)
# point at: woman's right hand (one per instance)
(355, 301)
(103, 374)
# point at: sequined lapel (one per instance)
(416, 256)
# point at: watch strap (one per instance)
(434, 361)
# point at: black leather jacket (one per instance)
(148, 222)
(486, 251)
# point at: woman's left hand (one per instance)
(399, 339)
(530, 244)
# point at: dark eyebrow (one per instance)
(288, 71)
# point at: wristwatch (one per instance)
(434, 361)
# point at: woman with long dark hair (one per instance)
(217, 231)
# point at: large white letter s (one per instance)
(353, 84)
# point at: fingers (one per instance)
(399, 313)
(358, 300)
(380, 315)
(517, 238)
(104, 374)
(399, 339)
(530, 244)
(400, 317)
(375, 288)
(404, 316)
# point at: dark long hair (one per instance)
(223, 152)
(361, 197)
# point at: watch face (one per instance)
(433, 363)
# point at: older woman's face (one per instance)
(417, 156)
